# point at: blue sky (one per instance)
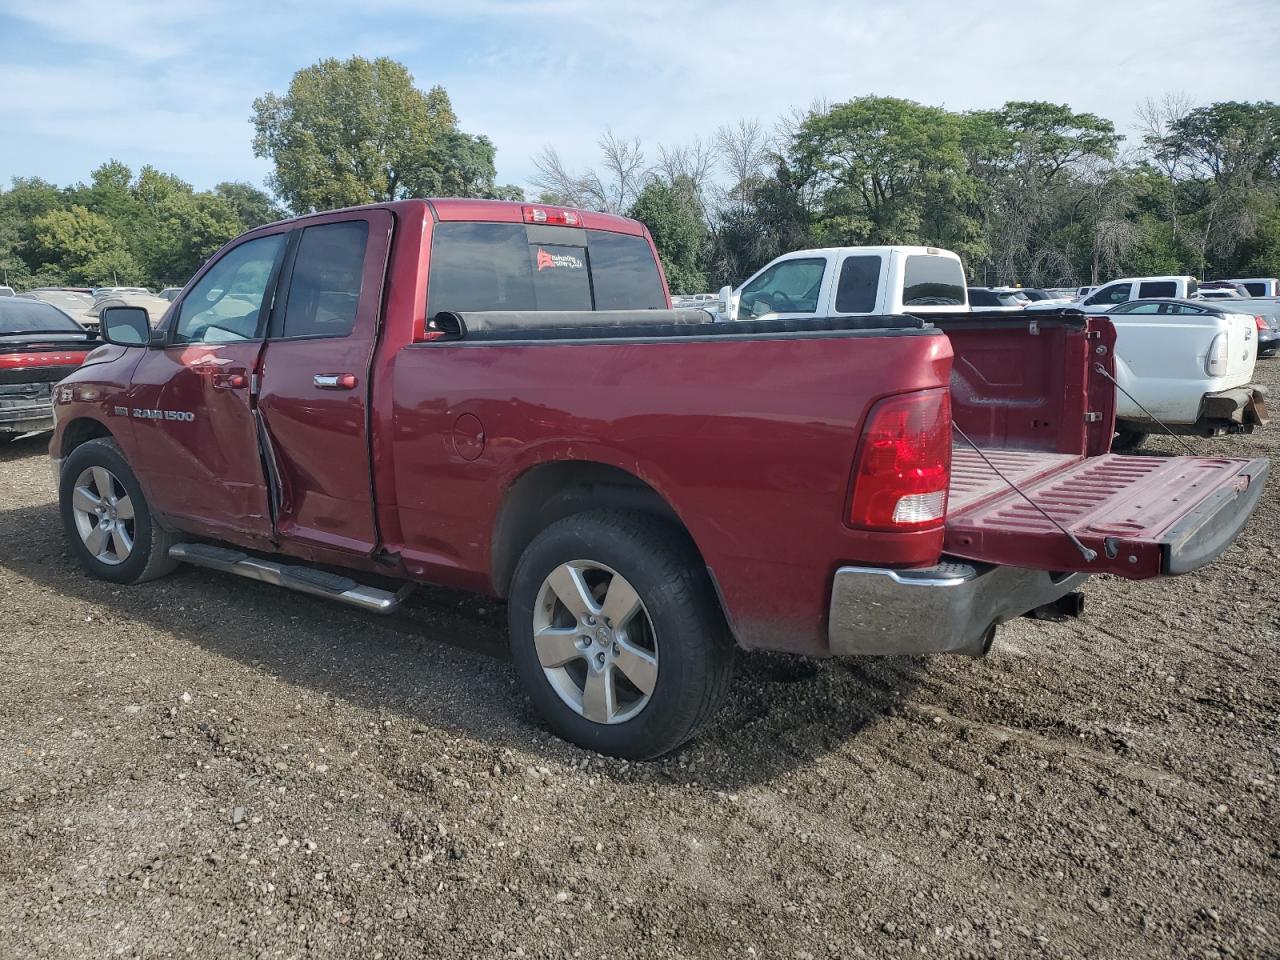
(171, 83)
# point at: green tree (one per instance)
(671, 213)
(83, 246)
(253, 207)
(886, 171)
(358, 131)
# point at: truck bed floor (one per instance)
(973, 482)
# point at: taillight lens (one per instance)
(1260, 321)
(1215, 363)
(903, 467)
(552, 215)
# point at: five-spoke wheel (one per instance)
(103, 514)
(616, 634)
(107, 517)
(595, 641)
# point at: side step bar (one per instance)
(303, 579)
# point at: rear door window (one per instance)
(930, 281)
(1157, 288)
(859, 284)
(327, 273)
(1256, 289)
(508, 266)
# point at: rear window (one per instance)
(18, 315)
(859, 283)
(933, 281)
(1256, 289)
(1157, 288)
(511, 266)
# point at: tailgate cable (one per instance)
(1089, 555)
(1160, 423)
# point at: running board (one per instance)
(317, 583)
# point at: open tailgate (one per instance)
(1143, 516)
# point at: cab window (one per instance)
(226, 305)
(791, 286)
(324, 290)
(1115, 293)
(1158, 288)
(859, 284)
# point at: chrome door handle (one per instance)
(335, 381)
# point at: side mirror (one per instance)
(125, 326)
(725, 304)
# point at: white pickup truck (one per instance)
(850, 281)
(1189, 363)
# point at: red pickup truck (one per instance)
(498, 397)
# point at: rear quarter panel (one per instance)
(1161, 361)
(750, 441)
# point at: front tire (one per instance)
(616, 634)
(107, 518)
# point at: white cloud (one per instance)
(174, 81)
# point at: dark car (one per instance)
(1268, 309)
(984, 298)
(39, 345)
(1263, 311)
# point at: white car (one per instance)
(1186, 363)
(850, 282)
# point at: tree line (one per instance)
(1029, 192)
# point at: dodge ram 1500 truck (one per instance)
(497, 397)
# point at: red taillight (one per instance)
(1260, 321)
(903, 467)
(24, 361)
(552, 215)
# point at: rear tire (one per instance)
(107, 518)
(635, 685)
(1126, 441)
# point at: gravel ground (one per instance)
(212, 767)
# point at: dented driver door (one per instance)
(192, 405)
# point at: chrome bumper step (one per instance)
(307, 580)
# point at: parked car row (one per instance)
(83, 304)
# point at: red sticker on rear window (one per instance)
(559, 261)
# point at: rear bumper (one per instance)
(1237, 410)
(949, 608)
(1268, 344)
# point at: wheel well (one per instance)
(553, 491)
(81, 431)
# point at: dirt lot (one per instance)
(206, 766)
